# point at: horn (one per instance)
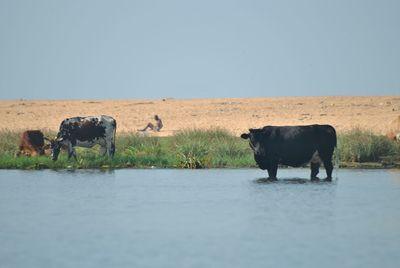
(47, 139)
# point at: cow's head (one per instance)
(256, 137)
(55, 146)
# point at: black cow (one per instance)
(85, 132)
(293, 146)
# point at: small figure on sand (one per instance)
(151, 126)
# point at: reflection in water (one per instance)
(291, 181)
(85, 172)
(291, 215)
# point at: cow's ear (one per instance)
(245, 136)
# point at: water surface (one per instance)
(198, 218)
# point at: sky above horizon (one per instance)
(53, 49)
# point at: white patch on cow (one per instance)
(315, 158)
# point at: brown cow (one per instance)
(32, 143)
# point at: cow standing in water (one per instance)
(85, 132)
(293, 146)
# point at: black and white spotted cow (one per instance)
(85, 132)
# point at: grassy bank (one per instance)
(361, 148)
(195, 149)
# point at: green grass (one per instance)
(215, 148)
(360, 146)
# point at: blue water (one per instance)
(198, 218)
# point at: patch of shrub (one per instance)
(363, 146)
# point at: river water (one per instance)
(198, 218)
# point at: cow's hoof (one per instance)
(265, 180)
(272, 178)
(314, 178)
(329, 179)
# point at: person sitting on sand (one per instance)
(156, 127)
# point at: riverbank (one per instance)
(216, 148)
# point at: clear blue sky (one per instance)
(147, 49)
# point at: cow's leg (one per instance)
(103, 150)
(315, 163)
(272, 171)
(328, 167)
(112, 152)
(71, 151)
(327, 160)
(326, 157)
(314, 170)
(110, 148)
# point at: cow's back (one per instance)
(295, 145)
(87, 131)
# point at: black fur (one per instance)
(292, 146)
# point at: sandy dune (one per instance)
(236, 115)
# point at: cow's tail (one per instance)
(337, 160)
(336, 163)
(113, 139)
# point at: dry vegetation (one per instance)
(375, 114)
